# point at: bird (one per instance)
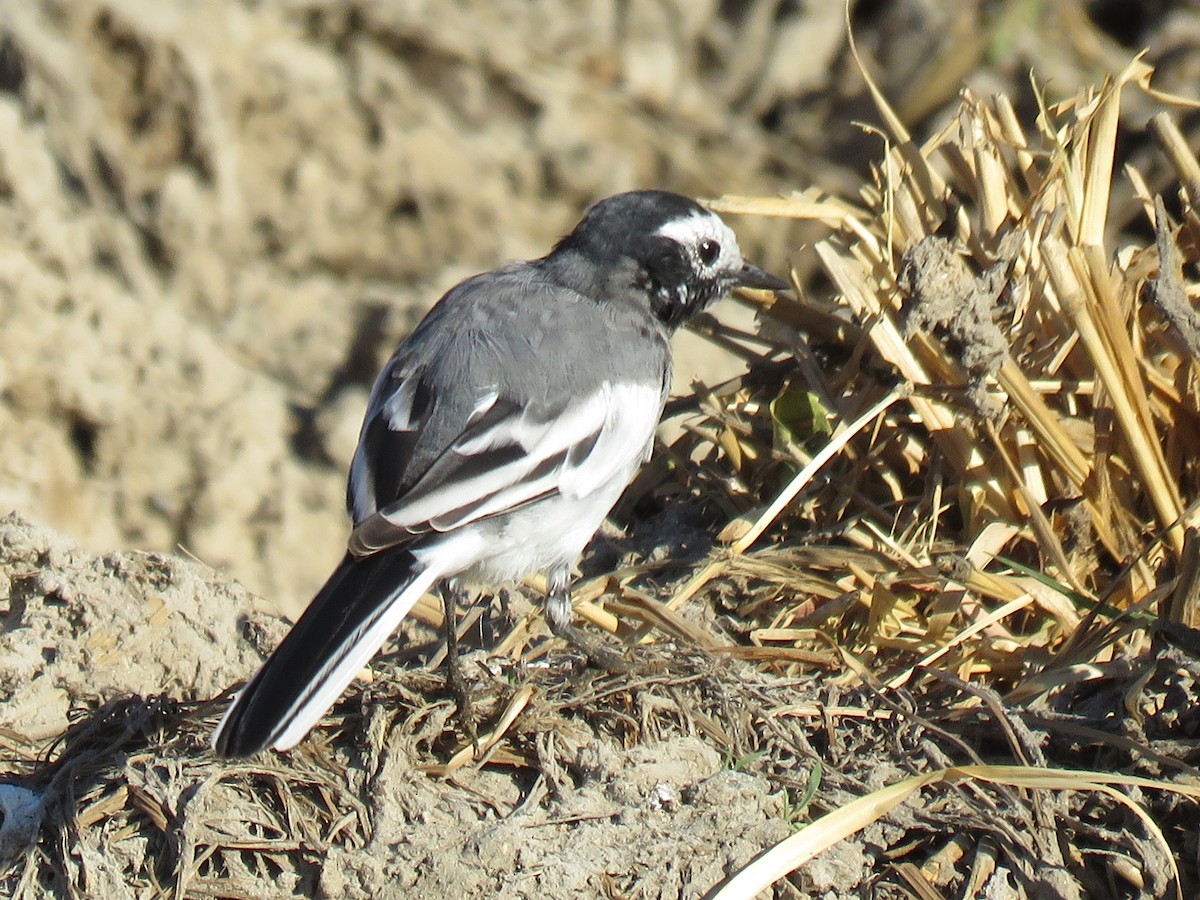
(496, 440)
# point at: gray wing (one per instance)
(486, 408)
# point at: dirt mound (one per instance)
(78, 630)
(144, 640)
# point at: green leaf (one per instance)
(797, 417)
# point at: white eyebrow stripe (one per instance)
(690, 230)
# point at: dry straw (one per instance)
(1032, 495)
(1049, 404)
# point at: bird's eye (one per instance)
(709, 251)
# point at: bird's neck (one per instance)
(619, 288)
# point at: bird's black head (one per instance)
(657, 247)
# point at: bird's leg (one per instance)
(558, 617)
(450, 594)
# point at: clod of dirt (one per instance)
(1167, 291)
(944, 294)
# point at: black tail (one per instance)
(345, 624)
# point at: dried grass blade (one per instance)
(469, 753)
(1097, 184)
(793, 852)
(831, 449)
(1147, 453)
(788, 855)
(1179, 154)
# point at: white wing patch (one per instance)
(397, 409)
(599, 439)
(630, 414)
(482, 405)
(362, 487)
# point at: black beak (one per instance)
(754, 277)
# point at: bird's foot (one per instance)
(456, 682)
(598, 654)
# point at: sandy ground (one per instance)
(216, 220)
